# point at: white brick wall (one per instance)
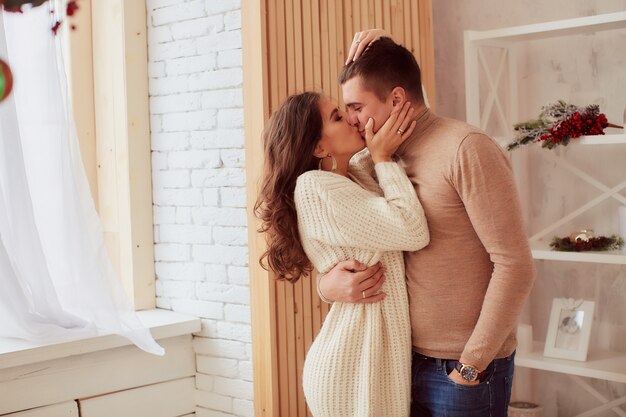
(201, 253)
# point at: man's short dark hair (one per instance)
(383, 66)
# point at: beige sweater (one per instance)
(467, 288)
(360, 363)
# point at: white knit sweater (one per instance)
(360, 363)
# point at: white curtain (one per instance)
(56, 280)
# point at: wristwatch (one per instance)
(468, 372)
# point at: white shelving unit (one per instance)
(609, 366)
(541, 250)
(505, 39)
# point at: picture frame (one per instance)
(569, 329)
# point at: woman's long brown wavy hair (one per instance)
(289, 139)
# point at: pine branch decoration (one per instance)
(558, 123)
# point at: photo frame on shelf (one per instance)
(569, 329)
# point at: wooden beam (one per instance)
(123, 145)
(427, 50)
(256, 109)
(80, 73)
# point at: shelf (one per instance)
(610, 139)
(609, 366)
(552, 29)
(542, 251)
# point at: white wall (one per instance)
(584, 69)
(451, 18)
(199, 189)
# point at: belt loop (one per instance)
(440, 363)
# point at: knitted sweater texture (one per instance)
(360, 363)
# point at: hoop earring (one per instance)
(333, 168)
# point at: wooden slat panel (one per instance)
(397, 21)
(66, 409)
(427, 50)
(379, 14)
(356, 15)
(290, 52)
(371, 14)
(364, 22)
(387, 16)
(340, 44)
(281, 52)
(316, 27)
(167, 399)
(348, 27)
(294, 383)
(406, 16)
(415, 31)
(272, 57)
(282, 340)
(325, 58)
(307, 42)
(332, 88)
(300, 348)
(298, 44)
(81, 376)
(307, 45)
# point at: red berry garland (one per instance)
(560, 122)
(577, 125)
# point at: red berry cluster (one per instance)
(575, 126)
(70, 10)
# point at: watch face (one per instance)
(468, 373)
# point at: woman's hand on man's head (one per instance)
(362, 40)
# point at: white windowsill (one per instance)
(162, 324)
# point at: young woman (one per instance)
(318, 208)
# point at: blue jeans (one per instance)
(435, 395)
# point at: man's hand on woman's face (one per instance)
(353, 282)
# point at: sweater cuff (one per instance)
(393, 179)
(479, 362)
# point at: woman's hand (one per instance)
(390, 136)
(362, 40)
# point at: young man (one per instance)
(467, 288)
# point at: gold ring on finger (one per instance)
(400, 131)
(363, 294)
